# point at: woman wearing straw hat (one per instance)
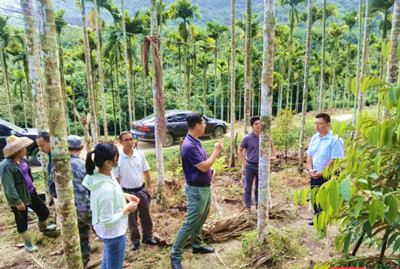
(16, 178)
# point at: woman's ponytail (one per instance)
(90, 166)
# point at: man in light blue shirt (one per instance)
(322, 152)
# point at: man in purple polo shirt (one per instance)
(250, 144)
(198, 173)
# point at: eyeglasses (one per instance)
(319, 124)
(128, 140)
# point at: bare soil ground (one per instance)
(227, 202)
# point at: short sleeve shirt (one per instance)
(323, 149)
(194, 154)
(251, 143)
(130, 169)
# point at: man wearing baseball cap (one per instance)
(82, 199)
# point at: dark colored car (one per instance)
(176, 125)
(7, 129)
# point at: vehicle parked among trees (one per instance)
(143, 129)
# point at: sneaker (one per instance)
(247, 209)
(31, 248)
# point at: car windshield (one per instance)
(12, 126)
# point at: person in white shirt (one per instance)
(131, 171)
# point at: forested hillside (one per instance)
(210, 9)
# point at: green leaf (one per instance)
(334, 127)
(345, 189)
(392, 95)
(393, 209)
(389, 136)
(334, 195)
(347, 243)
(353, 85)
(382, 135)
(381, 209)
(358, 206)
(365, 85)
(321, 198)
(303, 195)
(295, 195)
(373, 212)
(377, 164)
(396, 246)
(343, 127)
(313, 198)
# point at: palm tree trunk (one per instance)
(204, 88)
(247, 85)
(215, 79)
(21, 96)
(62, 77)
(358, 62)
(36, 75)
(100, 69)
(290, 86)
(58, 133)
(89, 73)
(29, 89)
(160, 124)
(321, 81)
(6, 84)
(392, 65)
(305, 89)
(266, 120)
(113, 105)
(222, 97)
(118, 93)
(74, 105)
(364, 61)
(233, 87)
(127, 79)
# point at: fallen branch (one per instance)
(223, 230)
(220, 260)
(94, 264)
(38, 263)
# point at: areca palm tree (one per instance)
(18, 83)
(204, 62)
(18, 50)
(248, 57)
(89, 72)
(233, 88)
(60, 24)
(305, 86)
(216, 30)
(350, 19)
(335, 31)
(5, 36)
(327, 12)
(134, 26)
(184, 10)
(293, 19)
(107, 5)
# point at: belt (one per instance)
(252, 163)
(199, 184)
(134, 189)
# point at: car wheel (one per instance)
(34, 158)
(218, 132)
(169, 140)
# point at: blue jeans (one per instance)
(250, 172)
(113, 252)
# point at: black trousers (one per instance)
(37, 205)
(317, 182)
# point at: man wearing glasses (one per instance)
(132, 166)
(322, 152)
(198, 174)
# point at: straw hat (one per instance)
(15, 144)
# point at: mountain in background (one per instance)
(210, 9)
